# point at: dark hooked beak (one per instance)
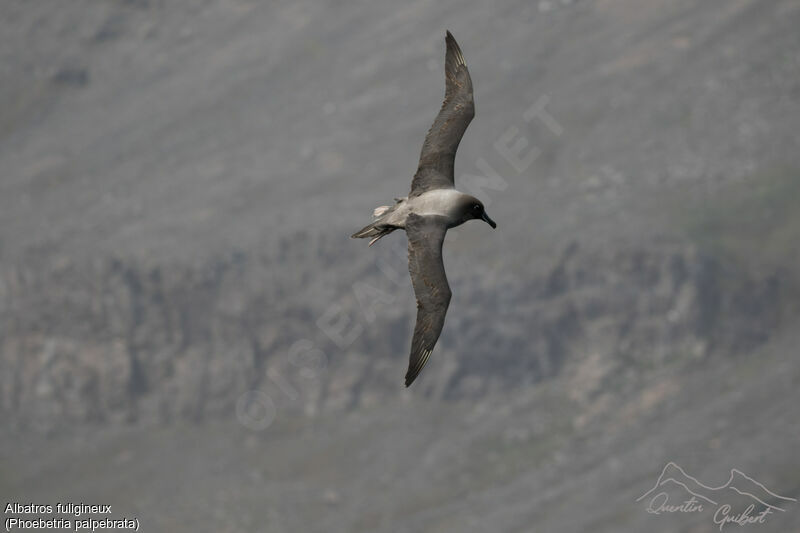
(488, 220)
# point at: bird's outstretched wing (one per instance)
(438, 155)
(425, 238)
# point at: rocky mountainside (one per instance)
(136, 342)
(180, 303)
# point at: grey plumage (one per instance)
(425, 239)
(438, 155)
(431, 208)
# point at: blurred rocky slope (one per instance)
(179, 179)
(115, 341)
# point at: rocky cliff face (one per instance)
(110, 341)
(177, 184)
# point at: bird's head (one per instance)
(472, 208)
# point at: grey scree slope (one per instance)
(432, 207)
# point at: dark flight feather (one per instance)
(437, 159)
(425, 239)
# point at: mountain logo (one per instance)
(741, 500)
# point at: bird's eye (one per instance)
(476, 207)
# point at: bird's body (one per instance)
(432, 207)
(439, 202)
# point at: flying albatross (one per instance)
(432, 207)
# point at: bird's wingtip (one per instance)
(454, 53)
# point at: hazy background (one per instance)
(188, 334)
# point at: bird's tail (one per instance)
(376, 230)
